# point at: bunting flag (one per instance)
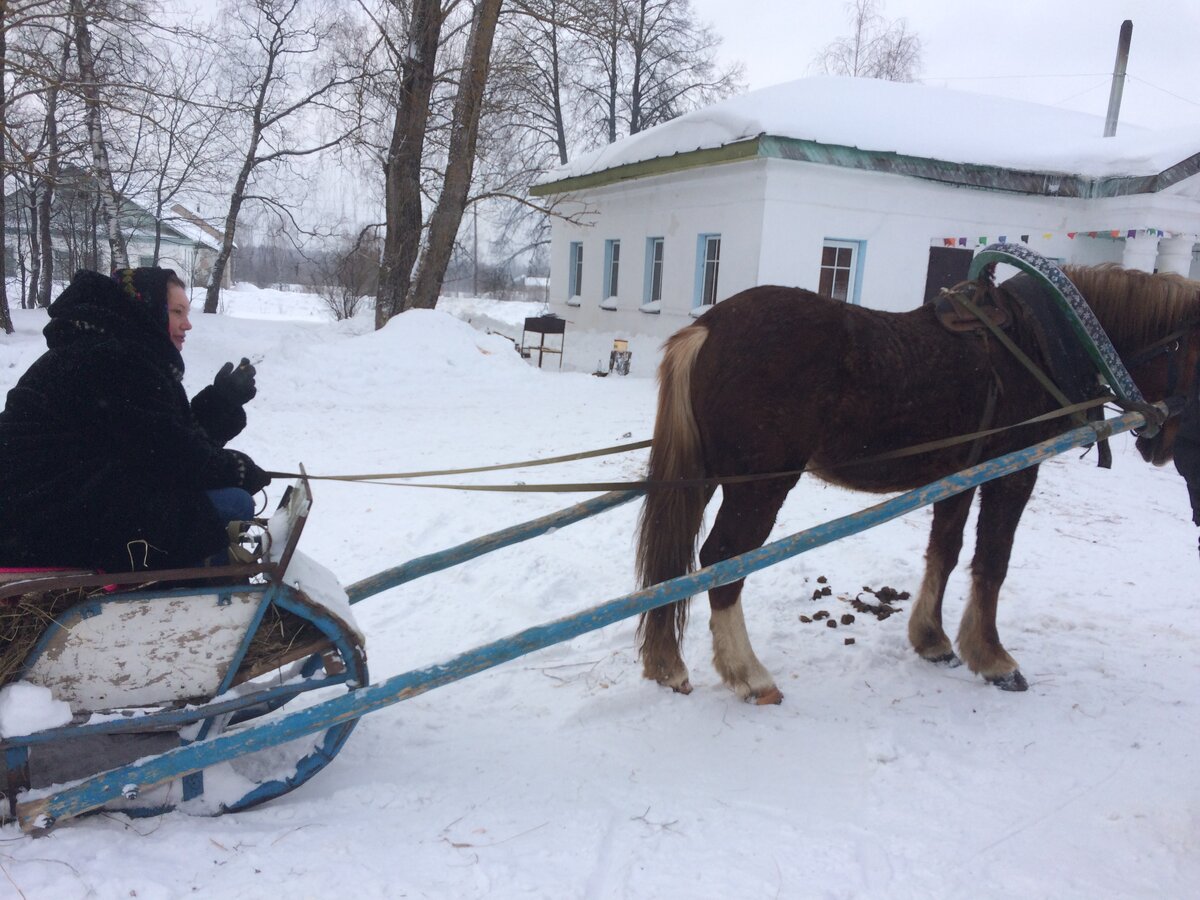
(1114, 233)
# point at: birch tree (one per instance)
(283, 80)
(876, 47)
(102, 170)
(5, 316)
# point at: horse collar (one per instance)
(1079, 315)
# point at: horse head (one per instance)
(1167, 370)
(1154, 324)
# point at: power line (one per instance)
(993, 77)
(1164, 90)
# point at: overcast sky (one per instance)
(1058, 52)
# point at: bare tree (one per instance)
(90, 88)
(875, 48)
(5, 315)
(350, 273)
(405, 153)
(25, 26)
(180, 149)
(447, 215)
(648, 61)
(672, 63)
(45, 207)
(535, 52)
(282, 78)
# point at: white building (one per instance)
(873, 192)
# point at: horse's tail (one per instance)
(671, 518)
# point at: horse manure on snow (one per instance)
(887, 598)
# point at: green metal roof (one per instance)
(994, 178)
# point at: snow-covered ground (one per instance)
(566, 775)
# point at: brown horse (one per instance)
(780, 379)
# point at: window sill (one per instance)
(574, 301)
(698, 311)
(654, 307)
(609, 304)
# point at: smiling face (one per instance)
(179, 308)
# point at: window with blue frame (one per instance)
(612, 267)
(841, 268)
(708, 269)
(575, 270)
(654, 270)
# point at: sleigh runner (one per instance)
(187, 719)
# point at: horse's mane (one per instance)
(1135, 307)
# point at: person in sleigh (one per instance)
(104, 463)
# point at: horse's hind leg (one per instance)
(661, 635)
(742, 524)
(925, 630)
(1000, 505)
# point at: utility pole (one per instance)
(1118, 79)
(475, 252)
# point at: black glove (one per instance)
(250, 477)
(237, 384)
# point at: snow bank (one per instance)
(428, 340)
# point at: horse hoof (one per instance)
(771, 696)
(1013, 681)
(684, 687)
(947, 660)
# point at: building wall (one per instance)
(774, 217)
(725, 200)
(895, 220)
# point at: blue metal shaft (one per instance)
(444, 559)
(93, 792)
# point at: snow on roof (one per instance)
(191, 226)
(909, 119)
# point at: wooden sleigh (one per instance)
(192, 655)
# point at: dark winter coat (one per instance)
(103, 462)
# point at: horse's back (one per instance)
(787, 376)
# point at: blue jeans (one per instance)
(232, 504)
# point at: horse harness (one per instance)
(978, 308)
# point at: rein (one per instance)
(524, 464)
(643, 485)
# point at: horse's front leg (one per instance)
(925, 630)
(1000, 505)
(742, 524)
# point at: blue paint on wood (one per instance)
(176, 718)
(444, 559)
(93, 792)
